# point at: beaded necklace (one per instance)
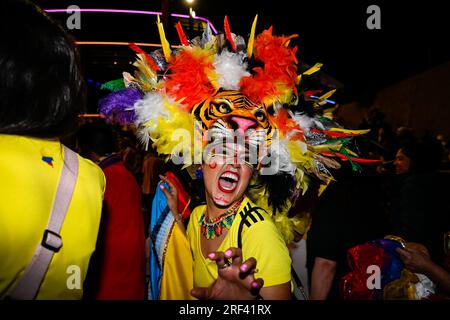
(211, 228)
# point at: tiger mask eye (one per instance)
(223, 108)
(260, 116)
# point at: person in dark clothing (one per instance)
(350, 212)
(118, 270)
(418, 210)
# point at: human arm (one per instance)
(172, 201)
(264, 242)
(419, 262)
(322, 277)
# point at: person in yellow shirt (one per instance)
(219, 88)
(42, 94)
(228, 222)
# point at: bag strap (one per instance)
(28, 285)
(298, 283)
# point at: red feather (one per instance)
(310, 93)
(286, 125)
(150, 61)
(228, 34)
(181, 35)
(279, 73)
(335, 134)
(342, 157)
(188, 78)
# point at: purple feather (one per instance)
(119, 104)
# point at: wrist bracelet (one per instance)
(178, 217)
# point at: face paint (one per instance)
(226, 178)
(212, 165)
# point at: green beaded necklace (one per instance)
(212, 228)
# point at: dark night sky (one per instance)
(413, 37)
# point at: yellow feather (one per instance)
(327, 95)
(351, 153)
(168, 141)
(164, 43)
(349, 131)
(321, 100)
(313, 69)
(251, 40)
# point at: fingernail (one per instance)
(161, 186)
(228, 253)
(211, 255)
(255, 284)
(244, 267)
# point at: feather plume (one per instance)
(164, 43)
(251, 39)
(191, 77)
(119, 104)
(181, 35)
(114, 85)
(230, 68)
(148, 59)
(228, 34)
(277, 79)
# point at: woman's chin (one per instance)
(222, 200)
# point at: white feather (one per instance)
(150, 108)
(280, 158)
(231, 68)
(306, 122)
(147, 111)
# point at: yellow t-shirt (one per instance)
(29, 174)
(260, 239)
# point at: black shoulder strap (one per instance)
(298, 283)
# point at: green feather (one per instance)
(113, 85)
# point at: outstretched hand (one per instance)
(235, 280)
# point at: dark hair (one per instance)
(424, 156)
(97, 137)
(42, 91)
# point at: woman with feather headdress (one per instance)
(235, 111)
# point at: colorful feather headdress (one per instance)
(216, 83)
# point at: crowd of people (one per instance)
(125, 198)
(404, 195)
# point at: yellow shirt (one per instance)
(260, 239)
(29, 174)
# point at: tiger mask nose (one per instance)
(242, 124)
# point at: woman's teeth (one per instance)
(228, 181)
(233, 177)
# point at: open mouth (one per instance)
(228, 181)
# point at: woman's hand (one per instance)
(414, 260)
(235, 281)
(171, 195)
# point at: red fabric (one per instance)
(183, 196)
(122, 270)
(353, 286)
